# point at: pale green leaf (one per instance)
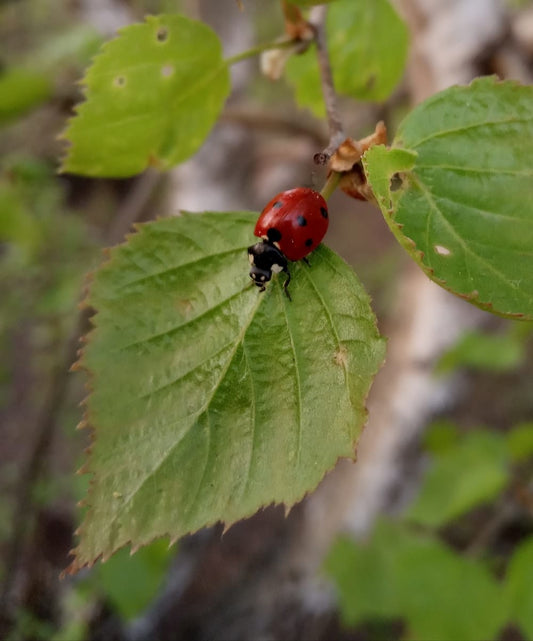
(462, 477)
(209, 398)
(519, 587)
(401, 574)
(152, 96)
(464, 207)
(367, 44)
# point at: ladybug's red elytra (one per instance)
(291, 226)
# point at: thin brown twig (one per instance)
(336, 130)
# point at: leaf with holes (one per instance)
(368, 44)
(209, 398)
(152, 96)
(456, 189)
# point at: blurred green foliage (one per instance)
(489, 352)
(519, 587)
(45, 249)
(405, 571)
(407, 574)
(471, 472)
(20, 90)
(128, 583)
(368, 46)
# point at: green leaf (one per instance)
(367, 43)
(442, 435)
(486, 352)
(17, 224)
(153, 94)
(209, 398)
(398, 573)
(469, 474)
(20, 91)
(519, 588)
(131, 582)
(464, 209)
(520, 441)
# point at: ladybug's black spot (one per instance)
(309, 242)
(277, 205)
(274, 235)
(301, 221)
(324, 212)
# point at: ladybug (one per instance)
(291, 226)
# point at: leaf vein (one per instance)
(297, 377)
(477, 125)
(478, 170)
(191, 263)
(201, 410)
(190, 321)
(500, 275)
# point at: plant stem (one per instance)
(336, 131)
(330, 185)
(254, 51)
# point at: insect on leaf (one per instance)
(210, 399)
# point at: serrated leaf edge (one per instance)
(75, 566)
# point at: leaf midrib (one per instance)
(168, 270)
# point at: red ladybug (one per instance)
(291, 226)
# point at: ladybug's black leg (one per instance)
(306, 261)
(286, 284)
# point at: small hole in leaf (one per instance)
(441, 250)
(162, 34)
(167, 71)
(396, 182)
(119, 81)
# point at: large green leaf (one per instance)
(462, 199)
(152, 96)
(398, 573)
(209, 398)
(367, 43)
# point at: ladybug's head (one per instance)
(265, 258)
